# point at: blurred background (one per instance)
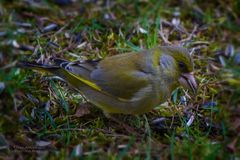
(42, 117)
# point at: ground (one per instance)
(42, 116)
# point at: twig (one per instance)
(162, 34)
(191, 35)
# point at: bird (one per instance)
(127, 83)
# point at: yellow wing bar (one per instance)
(91, 84)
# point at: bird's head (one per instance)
(184, 67)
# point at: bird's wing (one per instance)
(121, 76)
(82, 69)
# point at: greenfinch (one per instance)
(128, 83)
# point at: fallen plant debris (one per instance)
(43, 117)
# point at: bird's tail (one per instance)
(76, 74)
(37, 66)
(76, 79)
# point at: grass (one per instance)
(38, 109)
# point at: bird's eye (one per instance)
(181, 65)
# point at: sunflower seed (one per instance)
(229, 50)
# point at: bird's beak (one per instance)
(187, 80)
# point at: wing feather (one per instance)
(122, 75)
(123, 78)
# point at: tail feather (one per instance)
(53, 69)
(76, 75)
(37, 66)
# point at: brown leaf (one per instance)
(82, 110)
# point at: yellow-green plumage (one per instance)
(130, 83)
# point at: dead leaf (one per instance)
(82, 110)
